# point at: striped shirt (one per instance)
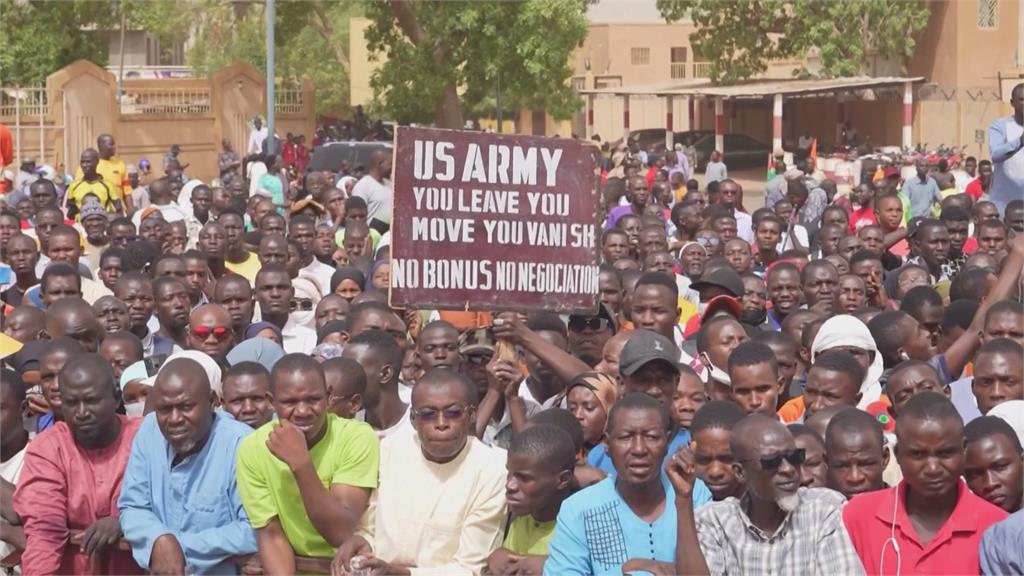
(811, 540)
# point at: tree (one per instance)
(42, 37)
(310, 37)
(740, 37)
(446, 56)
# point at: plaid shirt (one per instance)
(811, 540)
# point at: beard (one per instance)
(753, 317)
(788, 502)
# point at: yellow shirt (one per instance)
(526, 536)
(79, 189)
(247, 269)
(115, 174)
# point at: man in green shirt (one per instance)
(309, 457)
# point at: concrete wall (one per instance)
(361, 68)
(82, 105)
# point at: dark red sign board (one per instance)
(493, 222)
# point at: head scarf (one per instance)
(136, 371)
(1013, 412)
(602, 385)
(257, 327)
(347, 273)
(373, 270)
(305, 287)
(209, 365)
(259, 350)
(185, 196)
(846, 330)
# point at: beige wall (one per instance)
(361, 68)
(82, 106)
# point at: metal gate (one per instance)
(31, 114)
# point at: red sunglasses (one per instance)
(204, 332)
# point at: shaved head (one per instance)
(754, 431)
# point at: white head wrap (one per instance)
(185, 196)
(1013, 412)
(306, 287)
(209, 365)
(846, 330)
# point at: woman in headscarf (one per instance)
(264, 330)
(590, 397)
(849, 334)
(348, 282)
(380, 275)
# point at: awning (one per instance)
(756, 89)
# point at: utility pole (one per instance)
(271, 140)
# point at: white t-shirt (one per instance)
(256, 138)
(254, 172)
(378, 196)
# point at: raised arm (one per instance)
(334, 512)
(962, 350)
(999, 145)
(508, 326)
(682, 473)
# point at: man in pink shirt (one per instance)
(72, 477)
(930, 523)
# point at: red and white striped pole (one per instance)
(777, 124)
(719, 125)
(908, 115)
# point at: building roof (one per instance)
(756, 89)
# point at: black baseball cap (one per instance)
(644, 347)
(725, 278)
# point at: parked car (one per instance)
(741, 151)
(330, 156)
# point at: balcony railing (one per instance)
(679, 70)
(701, 69)
(186, 101)
(288, 100)
(32, 101)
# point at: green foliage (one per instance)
(39, 37)
(471, 45)
(740, 37)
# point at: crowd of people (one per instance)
(213, 382)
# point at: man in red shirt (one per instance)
(863, 197)
(930, 522)
(980, 185)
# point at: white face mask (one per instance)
(135, 408)
(713, 372)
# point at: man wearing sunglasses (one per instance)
(440, 507)
(777, 527)
(588, 334)
(209, 331)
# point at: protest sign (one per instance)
(493, 222)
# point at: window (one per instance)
(640, 56)
(678, 54)
(988, 14)
(677, 65)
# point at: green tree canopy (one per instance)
(740, 37)
(42, 37)
(446, 56)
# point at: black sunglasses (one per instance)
(796, 458)
(577, 324)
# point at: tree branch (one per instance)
(323, 26)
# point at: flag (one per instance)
(814, 155)
(771, 167)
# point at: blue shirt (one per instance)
(597, 532)
(1001, 551)
(196, 501)
(921, 195)
(1007, 161)
(598, 457)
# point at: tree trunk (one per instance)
(448, 108)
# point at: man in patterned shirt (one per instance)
(776, 528)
